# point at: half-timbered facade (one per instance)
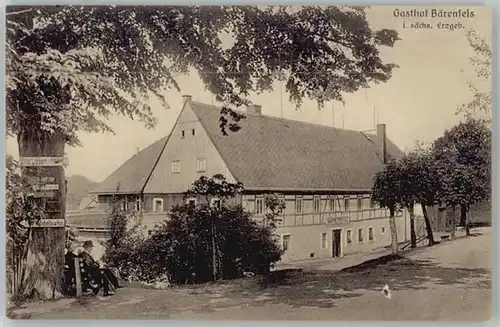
(323, 175)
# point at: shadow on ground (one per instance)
(322, 288)
(295, 288)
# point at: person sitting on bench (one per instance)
(93, 267)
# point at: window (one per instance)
(298, 205)
(124, 205)
(382, 231)
(324, 241)
(193, 132)
(346, 204)
(360, 235)
(331, 201)
(176, 166)
(157, 205)
(191, 201)
(201, 164)
(360, 203)
(150, 232)
(183, 134)
(259, 206)
(138, 204)
(316, 205)
(285, 243)
(348, 236)
(370, 234)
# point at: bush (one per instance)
(125, 242)
(180, 247)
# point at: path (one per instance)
(451, 281)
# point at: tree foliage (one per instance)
(202, 242)
(463, 163)
(125, 237)
(387, 186)
(22, 212)
(481, 61)
(216, 187)
(181, 246)
(387, 192)
(69, 68)
(418, 185)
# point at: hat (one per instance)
(88, 244)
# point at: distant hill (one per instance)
(78, 188)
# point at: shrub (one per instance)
(181, 246)
(125, 241)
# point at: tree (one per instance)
(481, 61)
(418, 185)
(22, 212)
(180, 247)
(69, 68)
(387, 192)
(463, 165)
(219, 189)
(125, 237)
(274, 207)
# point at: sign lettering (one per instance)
(47, 223)
(42, 180)
(44, 194)
(46, 187)
(50, 223)
(338, 221)
(43, 161)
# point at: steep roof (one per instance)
(273, 153)
(131, 177)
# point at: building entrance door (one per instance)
(336, 243)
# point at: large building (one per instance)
(323, 174)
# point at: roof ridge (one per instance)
(281, 118)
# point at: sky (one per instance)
(417, 104)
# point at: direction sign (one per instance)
(43, 161)
(41, 180)
(45, 194)
(46, 187)
(50, 223)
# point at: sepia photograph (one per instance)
(270, 162)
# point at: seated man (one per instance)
(69, 268)
(70, 255)
(94, 268)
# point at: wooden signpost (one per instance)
(43, 161)
(43, 171)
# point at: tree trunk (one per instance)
(428, 226)
(453, 223)
(45, 258)
(463, 218)
(413, 235)
(394, 232)
(214, 249)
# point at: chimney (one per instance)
(382, 141)
(186, 98)
(254, 109)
